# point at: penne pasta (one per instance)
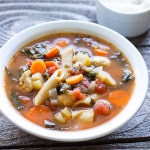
(50, 84)
(66, 61)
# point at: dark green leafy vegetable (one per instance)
(127, 75)
(46, 75)
(115, 55)
(49, 124)
(57, 60)
(63, 87)
(91, 75)
(35, 52)
(15, 99)
(118, 56)
(11, 75)
(22, 69)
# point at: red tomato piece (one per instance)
(51, 70)
(74, 72)
(85, 83)
(100, 87)
(78, 94)
(102, 107)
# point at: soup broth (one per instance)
(69, 81)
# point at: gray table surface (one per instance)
(17, 15)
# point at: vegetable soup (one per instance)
(69, 81)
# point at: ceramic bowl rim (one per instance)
(91, 28)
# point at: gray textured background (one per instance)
(17, 15)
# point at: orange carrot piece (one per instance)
(52, 52)
(100, 52)
(38, 114)
(51, 64)
(62, 43)
(118, 97)
(38, 66)
(74, 79)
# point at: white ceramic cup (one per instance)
(129, 24)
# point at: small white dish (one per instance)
(127, 19)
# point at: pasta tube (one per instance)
(51, 83)
(66, 61)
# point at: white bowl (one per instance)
(127, 23)
(41, 30)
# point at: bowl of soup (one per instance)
(71, 80)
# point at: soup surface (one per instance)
(69, 81)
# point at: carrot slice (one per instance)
(118, 97)
(62, 43)
(74, 79)
(52, 52)
(38, 114)
(51, 64)
(38, 66)
(100, 52)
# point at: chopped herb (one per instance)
(16, 100)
